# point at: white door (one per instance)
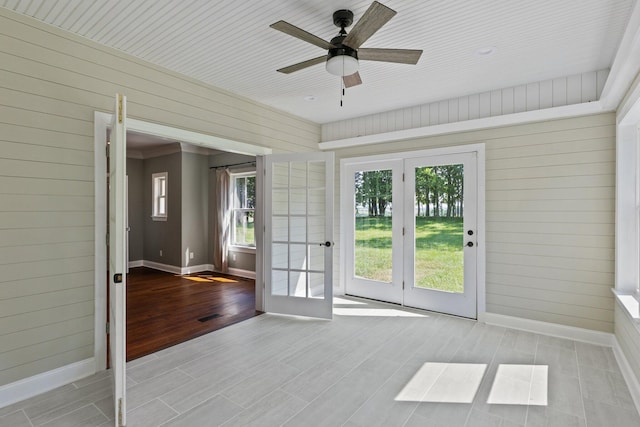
(440, 247)
(410, 230)
(374, 232)
(117, 258)
(298, 234)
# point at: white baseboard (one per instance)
(629, 376)
(242, 273)
(190, 269)
(171, 268)
(546, 328)
(38, 384)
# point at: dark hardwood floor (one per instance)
(165, 309)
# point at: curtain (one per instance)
(222, 225)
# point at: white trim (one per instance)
(46, 381)
(243, 249)
(100, 125)
(247, 274)
(554, 113)
(629, 376)
(191, 269)
(626, 63)
(551, 329)
(480, 149)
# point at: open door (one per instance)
(298, 234)
(117, 257)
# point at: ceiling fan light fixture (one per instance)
(342, 61)
(342, 65)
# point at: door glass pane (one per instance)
(316, 285)
(438, 210)
(298, 174)
(279, 282)
(373, 218)
(298, 284)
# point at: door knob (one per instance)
(327, 244)
(470, 244)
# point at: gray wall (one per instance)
(164, 236)
(135, 172)
(195, 209)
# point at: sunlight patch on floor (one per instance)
(444, 382)
(210, 279)
(374, 312)
(520, 385)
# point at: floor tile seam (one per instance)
(491, 362)
(581, 386)
(87, 398)
(100, 410)
(159, 399)
(322, 392)
(67, 413)
(402, 365)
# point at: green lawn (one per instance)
(439, 255)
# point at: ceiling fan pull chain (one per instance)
(342, 91)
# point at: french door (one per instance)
(118, 257)
(412, 233)
(298, 228)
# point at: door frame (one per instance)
(102, 121)
(345, 203)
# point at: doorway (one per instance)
(412, 229)
(101, 124)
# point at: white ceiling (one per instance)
(228, 44)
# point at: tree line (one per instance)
(439, 191)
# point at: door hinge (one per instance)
(107, 328)
(120, 412)
(403, 285)
(403, 177)
(119, 108)
(106, 149)
(106, 239)
(403, 234)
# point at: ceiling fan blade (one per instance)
(301, 34)
(352, 80)
(373, 19)
(302, 65)
(402, 56)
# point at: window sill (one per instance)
(630, 305)
(243, 249)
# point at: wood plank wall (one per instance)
(575, 89)
(51, 82)
(550, 192)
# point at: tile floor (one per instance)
(373, 365)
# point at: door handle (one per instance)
(469, 244)
(327, 244)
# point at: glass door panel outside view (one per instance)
(438, 221)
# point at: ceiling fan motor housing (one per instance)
(340, 49)
(342, 18)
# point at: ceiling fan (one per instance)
(343, 51)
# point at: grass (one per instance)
(438, 258)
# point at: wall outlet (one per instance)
(160, 252)
(190, 255)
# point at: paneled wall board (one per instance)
(557, 92)
(51, 83)
(550, 199)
